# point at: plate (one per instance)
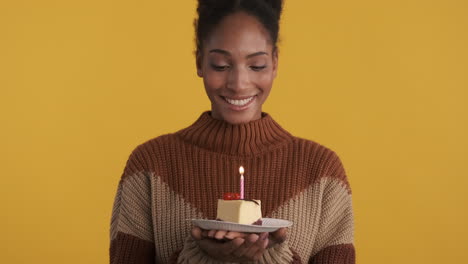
(268, 225)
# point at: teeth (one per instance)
(239, 102)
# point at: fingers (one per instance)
(256, 250)
(211, 233)
(278, 237)
(222, 234)
(259, 254)
(232, 234)
(233, 245)
(253, 247)
(246, 246)
(229, 245)
(220, 251)
(217, 234)
(204, 233)
(196, 233)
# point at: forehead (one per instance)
(239, 34)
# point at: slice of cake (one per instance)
(246, 212)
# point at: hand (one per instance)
(231, 246)
(236, 246)
(277, 237)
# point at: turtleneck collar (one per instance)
(245, 139)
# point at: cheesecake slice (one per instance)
(246, 212)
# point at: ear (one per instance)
(199, 63)
(275, 61)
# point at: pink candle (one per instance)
(241, 171)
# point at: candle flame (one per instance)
(241, 170)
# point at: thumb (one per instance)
(279, 236)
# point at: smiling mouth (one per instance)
(239, 102)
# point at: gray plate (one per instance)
(268, 225)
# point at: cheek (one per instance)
(213, 81)
(265, 81)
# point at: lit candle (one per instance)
(241, 171)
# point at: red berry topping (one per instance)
(228, 196)
(236, 196)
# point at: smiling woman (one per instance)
(180, 176)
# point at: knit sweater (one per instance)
(180, 176)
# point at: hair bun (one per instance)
(211, 12)
(276, 5)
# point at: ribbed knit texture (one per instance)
(180, 176)
(127, 249)
(335, 254)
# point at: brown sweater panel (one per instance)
(296, 257)
(337, 254)
(128, 249)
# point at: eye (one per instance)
(258, 68)
(219, 67)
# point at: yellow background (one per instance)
(383, 83)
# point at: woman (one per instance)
(180, 176)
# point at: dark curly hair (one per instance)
(211, 12)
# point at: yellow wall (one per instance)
(383, 83)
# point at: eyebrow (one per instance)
(224, 52)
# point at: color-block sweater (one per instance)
(180, 176)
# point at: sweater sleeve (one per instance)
(336, 229)
(131, 231)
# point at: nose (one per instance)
(238, 79)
